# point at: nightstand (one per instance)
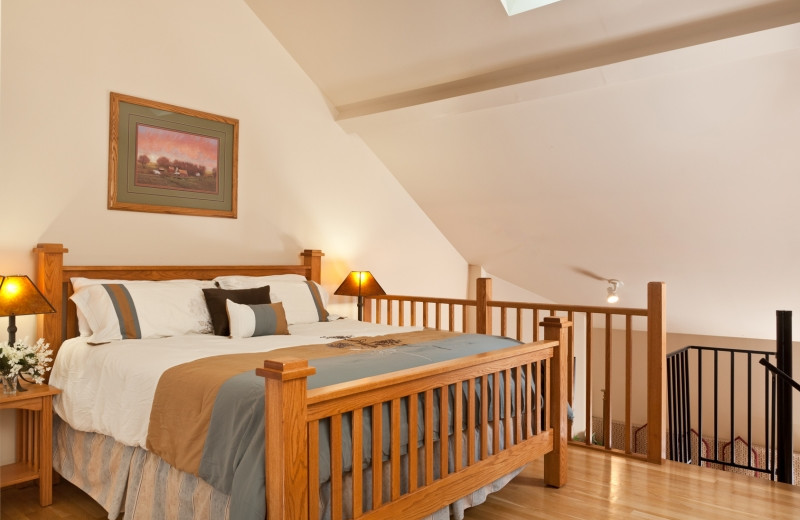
(34, 439)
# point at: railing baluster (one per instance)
(451, 317)
(589, 426)
(607, 393)
(628, 380)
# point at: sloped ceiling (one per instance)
(638, 139)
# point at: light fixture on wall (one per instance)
(360, 284)
(614, 284)
(20, 297)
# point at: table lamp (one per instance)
(20, 297)
(360, 283)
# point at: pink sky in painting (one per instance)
(182, 146)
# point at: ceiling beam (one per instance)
(754, 19)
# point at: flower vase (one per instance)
(10, 384)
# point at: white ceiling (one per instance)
(633, 139)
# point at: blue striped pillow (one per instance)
(248, 321)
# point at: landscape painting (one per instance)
(168, 159)
(176, 160)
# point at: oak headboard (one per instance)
(53, 279)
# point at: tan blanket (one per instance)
(186, 393)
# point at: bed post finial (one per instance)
(313, 259)
(49, 271)
(555, 462)
(286, 437)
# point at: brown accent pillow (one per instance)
(215, 301)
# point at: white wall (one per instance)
(303, 182)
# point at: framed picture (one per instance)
(167, 159)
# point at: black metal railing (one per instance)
(697, 375)
(737, 395)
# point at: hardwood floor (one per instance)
(602, 486)
(69, 503)
(599, 487)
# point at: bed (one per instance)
(357, 420)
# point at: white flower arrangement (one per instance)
(26, 360)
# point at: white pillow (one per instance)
(265, 319)
(303, 301)
(249, 282)
(79, 283)
(134, 310)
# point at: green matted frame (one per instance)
(125, 193)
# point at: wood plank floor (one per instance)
(600, 486)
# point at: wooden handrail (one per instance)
(508, 315)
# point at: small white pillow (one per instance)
(264, 319)
(143, 310)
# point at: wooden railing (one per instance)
(612, 343)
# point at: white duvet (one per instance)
(109, 388)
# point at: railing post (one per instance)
(656, 372)
(783, 360)
(483, 316)
(555, 462)
(286, 438)
(368, 308)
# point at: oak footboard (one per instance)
(452, 428)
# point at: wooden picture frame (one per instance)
(168, 159)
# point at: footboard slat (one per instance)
(395, 442)
(377, 455)
(518, 403)
(398, 490)
(358, 447)
(336, 467)
(413, 455)
(458, 442)
(429, 437)
(495, 413)
(443, 437)
(313, 469)
(484, 417)
(507, 419)
(471, 422)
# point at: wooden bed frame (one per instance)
(482, 451)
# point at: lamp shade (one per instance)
(19, 297)
(360, 283)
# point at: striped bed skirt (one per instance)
(134, 481)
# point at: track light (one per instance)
(613, 297)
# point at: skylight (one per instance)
(520, 6)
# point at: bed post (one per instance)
(313, 259)
(656, 372)
(49, 269)
(555, 462)
(286, 437)
(483, 316)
